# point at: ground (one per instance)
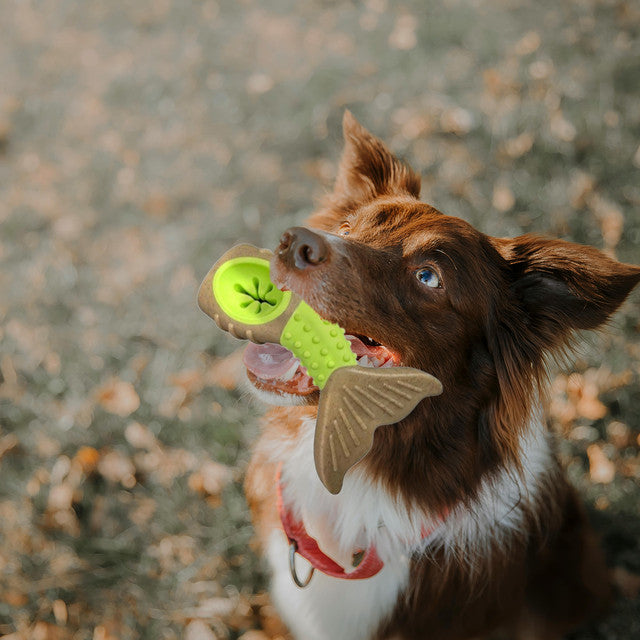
(138, 140)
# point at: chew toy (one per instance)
(240, 297)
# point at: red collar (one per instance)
(301, 542)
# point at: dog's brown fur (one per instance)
(504, 306)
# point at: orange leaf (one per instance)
(87, 458)
(198, 630)
(210, 479)
(227, 372)
(628, 583)
(119, 397)
(601, 469)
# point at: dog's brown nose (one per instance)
(302, 248)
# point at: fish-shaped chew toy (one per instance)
(240, 297)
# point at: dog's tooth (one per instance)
(365, 361)
(291, 371)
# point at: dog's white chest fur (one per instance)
(332, 608)
(363, 513)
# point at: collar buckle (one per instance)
(293, 549)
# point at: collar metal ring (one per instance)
(293, 549)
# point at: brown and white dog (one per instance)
(463, 502)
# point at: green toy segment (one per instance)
(244, 291)
(319, 344)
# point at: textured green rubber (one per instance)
(319, 344)
(245, 293)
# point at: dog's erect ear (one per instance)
(367, 170)
(563, 286)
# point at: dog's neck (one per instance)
(442, 453)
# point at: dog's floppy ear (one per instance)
(555, 288)
(562, 286)
(367, 170)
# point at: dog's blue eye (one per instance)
(428, 277)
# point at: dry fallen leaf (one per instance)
(219, 608)
(14, 598)
(117, 467)
(46, 447)
(270, 621)
(527, 44)
(48, 631)
(185, 385)
(403, 36)
(576, 396)
(189, 380)
(503, 198)
(628, 583)
(8, 443)
(60, 497)
(254, 634)
(140, 436)
(60, 612)
(619, 434)
(580, 189)
(119, 397)
(609, 217)
(175, 552)
(87, 458)
(583, 432)
(143, 512)
(561, 128)
(456, 120)
(259, 83)
(157, 205)
(210, 479)
(227, 372)
(102, 633)
(518, 146)
(583, 391)
(601, 469)
(591, 408)
(630, 467)
(199, 630)
(165, 464)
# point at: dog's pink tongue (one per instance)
(268, 361)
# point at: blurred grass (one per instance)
(140, 140)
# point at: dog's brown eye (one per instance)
(428, 277)
(345, 229)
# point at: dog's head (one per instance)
(427, 290)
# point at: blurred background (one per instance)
(139, 140)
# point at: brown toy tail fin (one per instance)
(355, 401)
